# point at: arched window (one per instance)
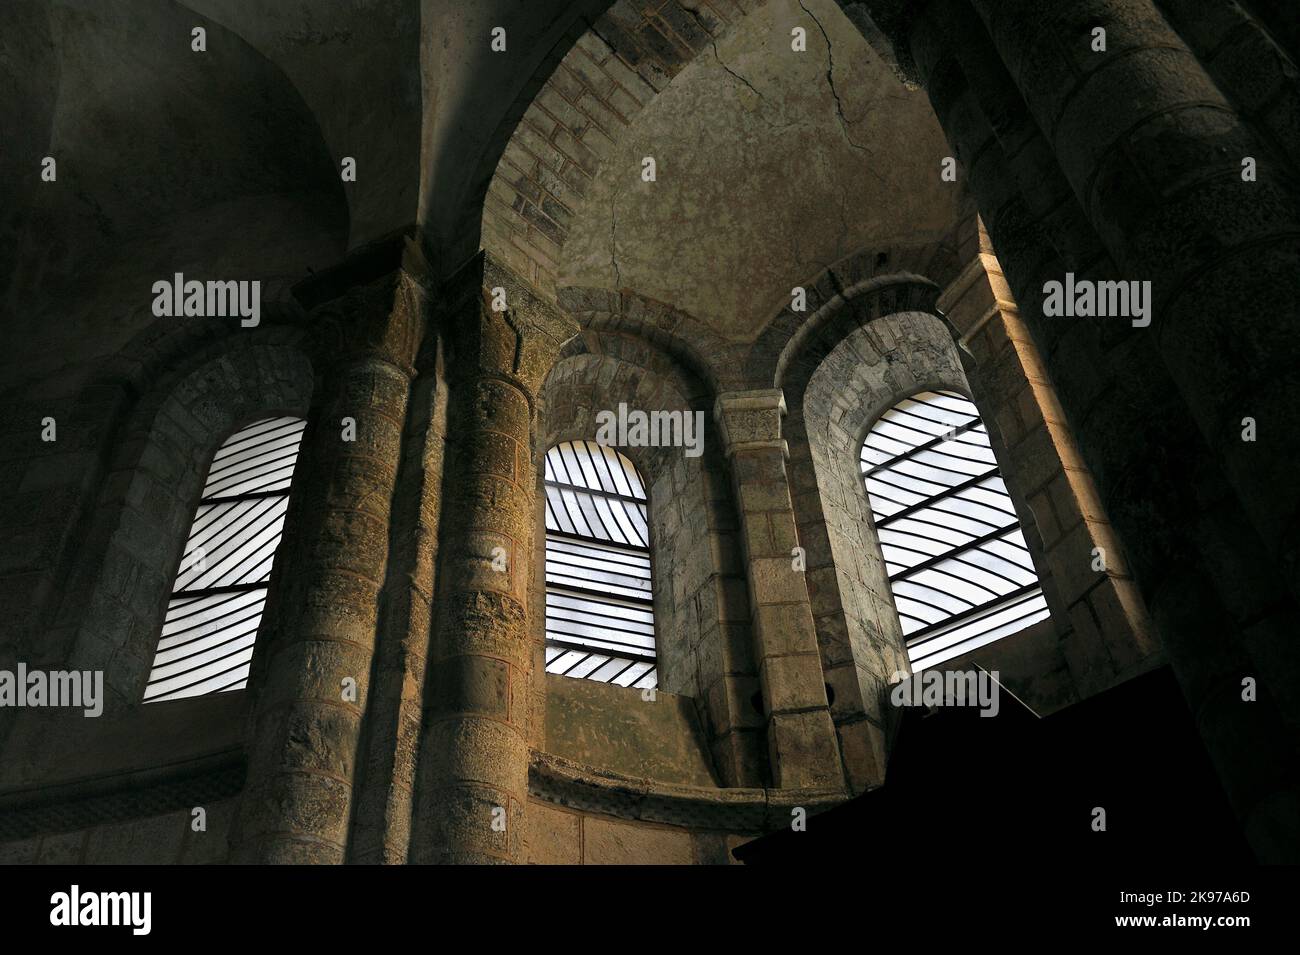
(216, 604)
(599, 607)
(958, 566)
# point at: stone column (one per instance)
(473, 773)
(1278, 17)
(801, 738)
(385, 796)
(1129, 419)
(1181, 545)
(320, 636)
(1247, 60)
(1153, 152)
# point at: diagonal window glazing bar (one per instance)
(959, 568)
(599, 601)
(220, 590)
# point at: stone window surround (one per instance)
(128, 557)
(600, 370)
(856, 619)
(190, 424)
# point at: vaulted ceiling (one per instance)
(772, 164)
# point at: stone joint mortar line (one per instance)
(1122, 141)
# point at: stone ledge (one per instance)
(578, 786)
(120, 798)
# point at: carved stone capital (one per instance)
(498, 325)
(383, 320)
(750, 420)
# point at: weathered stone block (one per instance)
(611, 842)
(552, 836)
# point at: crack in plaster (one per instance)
(835, 94)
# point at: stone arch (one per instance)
(856, 357)
(909, 270)
(845, 312)
(678, 335)
(163, 157)
(701, 603)
(875, 364)
(571, 114)
(133, 543)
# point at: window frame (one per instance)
(648, 605)
(1019, 595)
(269, 585)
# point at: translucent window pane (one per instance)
(599, 599)
(220, 589)
(958, 565)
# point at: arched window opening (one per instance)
(220, 590)
(958, 565)
(599, 605)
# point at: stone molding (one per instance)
(749, 810)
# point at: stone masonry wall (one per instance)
(559, 836)
(153, 840)
(577, 115)
(701, 613)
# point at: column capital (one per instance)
(751, 420)
(500, 325)
(383, 320)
